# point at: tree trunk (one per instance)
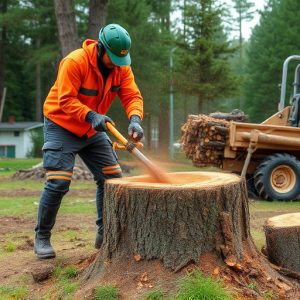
(163, 128)
(67, 31)
(38, 86)
(283, 240)
(97, 17)
(3, 10)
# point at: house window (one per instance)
(16, 133)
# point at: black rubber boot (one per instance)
(43, 248)
(99, 239)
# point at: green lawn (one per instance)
(15, 202)
(8, 166)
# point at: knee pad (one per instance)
(58, 181)
(113, 171)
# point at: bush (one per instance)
(37, 139)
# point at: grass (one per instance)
(10, 247)
(64, 281)
(197, 287)
(29, 184)
(268, 206)
(9, 166)
(155, 295)
(28, 206)
(106, 292)
(10, 293)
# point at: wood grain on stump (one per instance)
(283, 240)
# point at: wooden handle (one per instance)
(116, 133)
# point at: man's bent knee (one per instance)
(59, 181)
(112, 171)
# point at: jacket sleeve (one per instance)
(68, 82)
(130, 95)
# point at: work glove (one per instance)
(135, 131)
(98, 121)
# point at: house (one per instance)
(16, 138)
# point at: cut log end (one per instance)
(286, 220)
(180, 180)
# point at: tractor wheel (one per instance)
(278, 177)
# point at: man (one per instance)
(88, 80)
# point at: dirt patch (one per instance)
(22, 260)
(135, 279)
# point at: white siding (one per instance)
(22, 142)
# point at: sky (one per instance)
(248, 26)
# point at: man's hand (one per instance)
(135, 131)
(98, 121)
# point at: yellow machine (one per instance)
(269, 153)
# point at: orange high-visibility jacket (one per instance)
(79, 88)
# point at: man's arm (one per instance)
(132, 101)
(69, 82)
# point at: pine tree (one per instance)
(272, 41)
(204, 70)
(245, 11)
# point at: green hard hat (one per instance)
(117, 43)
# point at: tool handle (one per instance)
(112, 129)
(118, 146)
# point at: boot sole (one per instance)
(45, 256)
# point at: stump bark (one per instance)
(176, 223)
(283, 241)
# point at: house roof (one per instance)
(21, 126)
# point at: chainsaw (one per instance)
(124, 144)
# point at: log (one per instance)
(176, 223)
(204, 133)
(283, 240)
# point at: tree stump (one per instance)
(200, 220)
(176, 223)
(283, 240)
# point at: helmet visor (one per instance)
(120, 61)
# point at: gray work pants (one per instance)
(59, 150)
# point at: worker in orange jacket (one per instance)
(75, 110)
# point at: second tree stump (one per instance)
(283, 240)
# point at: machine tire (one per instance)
(278, 177)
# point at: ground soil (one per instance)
(133, 278)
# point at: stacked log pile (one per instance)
(203, 140)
